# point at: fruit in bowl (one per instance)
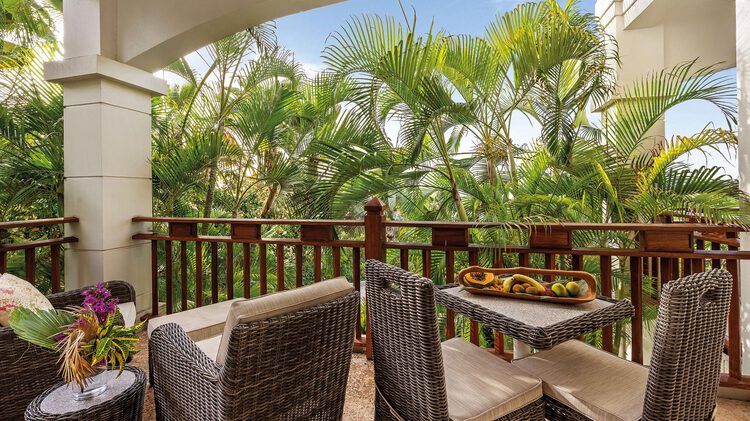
(479, 280)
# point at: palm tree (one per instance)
(31, 138)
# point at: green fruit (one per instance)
(573, 288)
(559, 290)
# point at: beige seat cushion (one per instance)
(199, 323)
(595, 383)
(210, 346)
(279, 304)
(482, 386)
(15, 292)
(129, 313)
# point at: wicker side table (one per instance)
(122, 401)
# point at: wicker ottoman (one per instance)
(122, 401)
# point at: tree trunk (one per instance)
(457, 200)
(273, 191)
(208, 205)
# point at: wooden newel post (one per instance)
(374, 249)
(374, 230)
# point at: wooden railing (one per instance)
(33, 238)
(648, 255)
(316, 238)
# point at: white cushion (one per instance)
(128, 312)
(210, 346)
(199, 323)
(15, 292)
(482, 386)
(281, 303)
(595, 383)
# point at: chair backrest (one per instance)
(291, 366)
(405, 344)
(683, 378)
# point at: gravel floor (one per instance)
(359, 407)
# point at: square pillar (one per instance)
(107, 170)
(743, 165)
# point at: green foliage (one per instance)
(39, 327)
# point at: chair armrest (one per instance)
(183, 376)
(121, 290)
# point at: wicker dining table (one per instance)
(534, 324)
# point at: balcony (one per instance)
(242, 257)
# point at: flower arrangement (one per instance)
(88, 338)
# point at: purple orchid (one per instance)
(99, 300)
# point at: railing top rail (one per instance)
(674, 227)
(38, 222)
(163, 219)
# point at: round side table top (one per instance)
(123, 395)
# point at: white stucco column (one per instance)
(743, 89)
(107, 169)
(641, 53)
(107, 150)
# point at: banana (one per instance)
(508, 284)
(532, 281)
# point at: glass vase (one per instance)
(96, 385)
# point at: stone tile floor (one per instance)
(360, 391)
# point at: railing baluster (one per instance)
(318, 262)
(230, 271)
(298, 265)
(154, 278)
(605, 272)
(499, 338)
(336, 251)
(183, 276)
(549, 263)
(263, 268)
(577, 262)
(698, 264)
(279, 267)
(3, 260)
(55, 267)
(715, 263)
(523, 260)
(198, 274)
(168, 275)
(246, 268)
(30, 265)
(497, 258)
(687, 267)
(473, 325)
(214, 273)
(450, 319)
(427, 263)
(636, 296)
(404, 258)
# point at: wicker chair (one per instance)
(282, 358)
(28, 370)
(412, 382)
(584, 383)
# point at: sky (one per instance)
(307, 33)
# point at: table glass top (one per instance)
(61, 401)
(531, 313)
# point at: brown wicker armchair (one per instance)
(418, 378)
(27, 370)
(284, 356)
(682, 382)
